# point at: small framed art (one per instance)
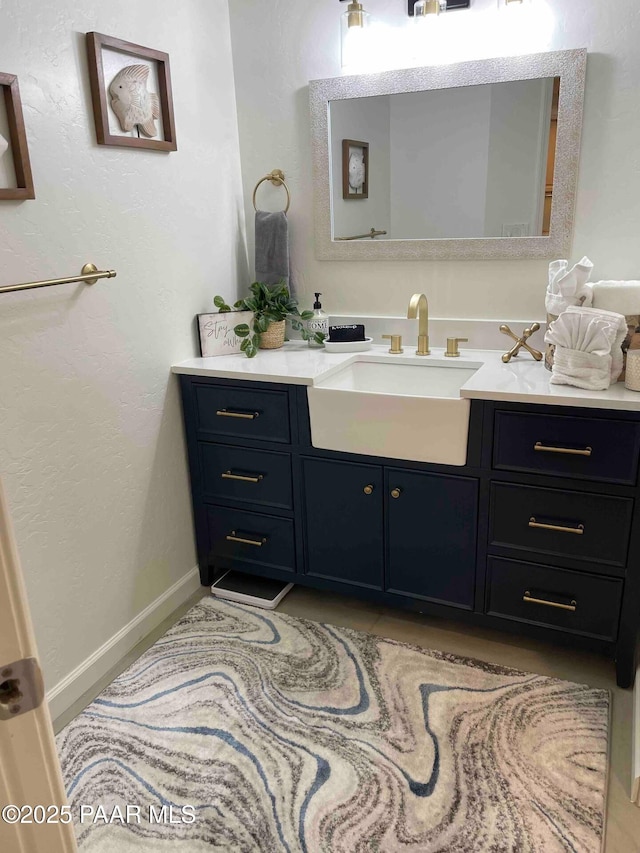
(355, 169)
(16, 180)
(216, 332)
(131, 94)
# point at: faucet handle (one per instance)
(396, 343)
(452, 346)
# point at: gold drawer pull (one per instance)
(530, 600)
(249, 416)
(395, 493)
(579, 529)
(568, 450)
(249, 478)
(368, 490)
(231, 537)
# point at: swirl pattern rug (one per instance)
(283, 734)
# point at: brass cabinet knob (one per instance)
(396, 343)
(368, 490)
(395, 493)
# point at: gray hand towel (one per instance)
(272, 248)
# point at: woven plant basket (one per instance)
(273, 338)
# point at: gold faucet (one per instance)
(419, 307)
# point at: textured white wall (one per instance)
(91, 447)
(279, 46)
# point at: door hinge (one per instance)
(21, 688)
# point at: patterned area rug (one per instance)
(242, 730)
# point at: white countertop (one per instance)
(523, 380)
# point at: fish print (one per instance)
(132, 102)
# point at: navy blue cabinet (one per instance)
(539, 533)
(429, 523)
(431, 536)
(343, 522)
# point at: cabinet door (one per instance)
(344, 525)
(432, 522)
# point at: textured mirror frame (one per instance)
(568, 65)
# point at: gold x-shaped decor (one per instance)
(521, 342)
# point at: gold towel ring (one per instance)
(277, 179)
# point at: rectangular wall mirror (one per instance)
(476, 160)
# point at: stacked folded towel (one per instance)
(568, 287)
(620, 296)
(588, 350)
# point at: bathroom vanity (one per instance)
(537, 532)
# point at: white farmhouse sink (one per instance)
(402, 411)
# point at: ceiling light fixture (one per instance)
(419, 9)
(353, 24)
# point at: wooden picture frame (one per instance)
(351, 148)
(96, 42)
(17, 141)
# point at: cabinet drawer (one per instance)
(249, 539)
(589, 527)
(575, 602)
(584, 448)
(242, 412)
(250, 476)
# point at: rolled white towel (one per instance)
(618, 334)
(568, 286)
(620, 296)
(581, 369)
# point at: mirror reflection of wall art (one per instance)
(131, 93)
(16, 180)
(355, 169)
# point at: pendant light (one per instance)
(353, 25)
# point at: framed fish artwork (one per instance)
(16, 180)
(131, 94)
(355, 169)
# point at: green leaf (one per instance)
(306, 315)
(261, 324)
(319, 337)
(242, 330)
(244, 346)
(219, 302)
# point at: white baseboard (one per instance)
(635, 767)
(84, 676)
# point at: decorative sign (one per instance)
(216, 332)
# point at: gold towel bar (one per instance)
(90, 274)
(277, 179)
(373, 233)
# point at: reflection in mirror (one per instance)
(473, 161)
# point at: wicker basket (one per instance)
(273, 338)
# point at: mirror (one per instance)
(477, 160)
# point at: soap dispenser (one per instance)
(318, 323)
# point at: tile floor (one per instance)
(623, 817)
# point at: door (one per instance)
(29, 769)
(431, 536)
(343, 519)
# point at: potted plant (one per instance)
(271, 304)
